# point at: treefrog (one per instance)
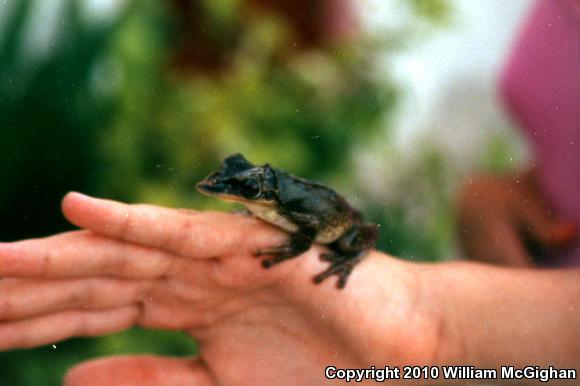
(309, 211)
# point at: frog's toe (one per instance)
(278, 258)
(267, 263)
(274, 251)
(341, 266)
(328, 257)
(343, 277)
(341, 270)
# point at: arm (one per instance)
(497, 316)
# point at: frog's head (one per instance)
(240, 181)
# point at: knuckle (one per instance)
(179, 240)
(222, 275)
(127, 224)
(48, 257)
(77, 298)
(120, 266)
(89, 295)
(6, 307)
(150, 317)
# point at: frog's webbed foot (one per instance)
(347, 252)
(341, 266)
(299, 243)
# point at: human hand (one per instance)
(195, 272)
(504, 220)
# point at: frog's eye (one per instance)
(251, 189)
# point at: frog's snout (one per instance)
(209, 185)
(205, 187)
(212, 187)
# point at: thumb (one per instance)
(139, 370)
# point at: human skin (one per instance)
(501, 216)
(195, 272)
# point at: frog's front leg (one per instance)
(347, 252)
(299, 243)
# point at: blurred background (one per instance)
(391, 102)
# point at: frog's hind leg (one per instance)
(347, 252)
(299, 243)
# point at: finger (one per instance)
(21, 299)
(140, 370)
(551, 233)
(507, 247)
(56, 327)
(177, 306)
(192, 234)
(82, 254)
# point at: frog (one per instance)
(309, 211)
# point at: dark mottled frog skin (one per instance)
(309, 211)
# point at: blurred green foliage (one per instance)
(302, 114)
(102, 112)
(49, 118)
(434, 11)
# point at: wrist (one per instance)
(444, 290)
(466, 296)
(384, 314)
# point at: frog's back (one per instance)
(312, 204)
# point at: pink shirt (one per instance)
(541, 88)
